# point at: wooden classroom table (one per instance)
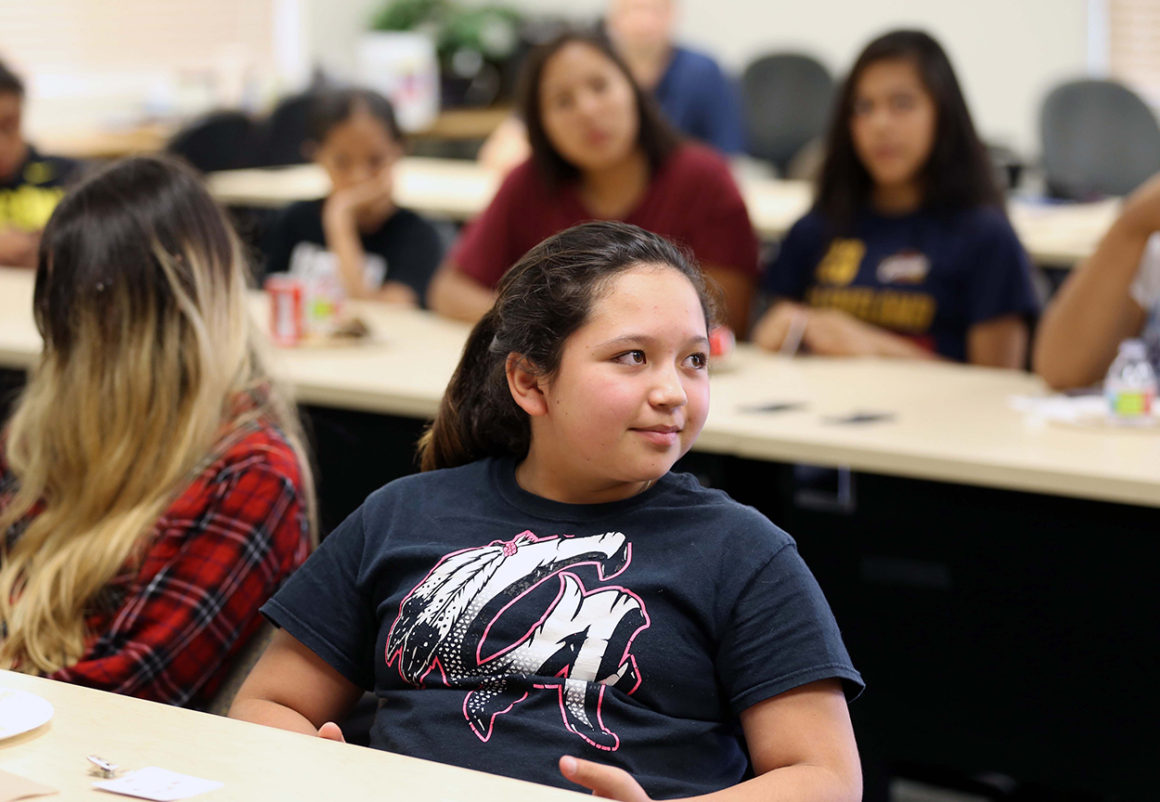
(114, 142)
(951, 423)
(254, 762)
(1056, 234)
(106, 143)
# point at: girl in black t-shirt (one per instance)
(356, 236)
(575, 395)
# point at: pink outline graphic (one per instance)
(563, 574)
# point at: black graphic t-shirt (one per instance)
(926, 276)
(502, 630)
(405, 248)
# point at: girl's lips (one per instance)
(597, 137)
(661, 435)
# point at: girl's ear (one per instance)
(524, 384)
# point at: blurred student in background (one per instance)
(601, 150)
(907, 251)
(153, 487)
(1114, 295)
(356, 234)
(694, 93)
(692, 90)
(30, 184)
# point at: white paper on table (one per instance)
(1060, 408)
(157, 784)
(1082, 411)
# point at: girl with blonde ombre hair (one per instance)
(154, 490)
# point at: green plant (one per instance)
(409, 15)
(490, 30)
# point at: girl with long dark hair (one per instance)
(907, 251)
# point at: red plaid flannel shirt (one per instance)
(169, 630)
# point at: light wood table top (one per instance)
(951, 423)
(1056, 234)
(108, 143)
(253, 762)
(453, 188)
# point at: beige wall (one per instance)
(1007, 52)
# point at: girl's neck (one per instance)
(648, 66)
(536, 478)
(612, 192)
(897, 199)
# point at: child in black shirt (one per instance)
(356, 234)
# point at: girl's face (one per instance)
(892, 122)
(632, 390)
(356, 150)
(588, 107)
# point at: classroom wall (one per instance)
(1007, 52)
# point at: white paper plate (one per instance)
(21, 711)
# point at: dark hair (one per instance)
(102, 236)
(655, 135)
(335, 106)
(10, 82)
(545, 297)
(958, 173)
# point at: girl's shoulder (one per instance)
(439, 487)
(256, 454)
(712, 509)
(692, 160)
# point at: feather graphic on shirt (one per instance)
(582, 638)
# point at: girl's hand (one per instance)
(331, 732)
(606, 782)
(832, 332)
(778, 323)
(369, 199)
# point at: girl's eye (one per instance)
(697, 361)
(902, 102)
(562, 102)
(862, 107)
(635, 357)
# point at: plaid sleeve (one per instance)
(219, 552)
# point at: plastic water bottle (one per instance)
(1130, 387)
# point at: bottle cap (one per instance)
(1134, 349)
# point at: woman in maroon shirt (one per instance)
(601, 151)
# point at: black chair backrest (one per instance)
(1098, 138)
(221, 140)
(787, 100)
(285, 131)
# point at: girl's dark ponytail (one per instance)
(477, 416)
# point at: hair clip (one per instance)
(103, 767)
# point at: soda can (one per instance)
(287, 305)
(722, 341)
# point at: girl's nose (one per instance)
(668, 391)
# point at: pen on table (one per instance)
(793, 337)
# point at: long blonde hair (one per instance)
(148, 348)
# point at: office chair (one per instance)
(221, 140)
(284, 131)
(1097, 138)
(787, 105)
